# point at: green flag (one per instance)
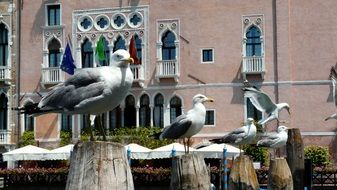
(100, 50)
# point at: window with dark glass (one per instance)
(87, 54)
(209, 120)
(158, 111)
(207, 55)
(66, 122)
(3, 112)
(168, 47)
(119, 44)
(144, 111)
(53, 15)
(54, 53)
(253, 44)
(115, 118)
(85, 122)
(175, 108)
(138, 48)
(3, 45)
(130, 112)
(252, 112)
(106, 52)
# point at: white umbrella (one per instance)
(166, 151)
(216, 151)
(137, 151)
(62, 153)
(28, 152)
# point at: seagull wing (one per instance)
(260, 100)
(333, 77)
(268, 140)
(232, 137)
(178, 128)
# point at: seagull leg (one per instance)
(188, 145)
(184, 145)
(91, 121)
(100, 126)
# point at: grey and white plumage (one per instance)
(89, 90)
(333, 78)
(275, 140)
(263, 103)
(240, 136)
(189, 124)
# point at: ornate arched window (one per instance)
(253, 44)
(168, 48)
(3, 45)
(106, 52)
(144, 111)
(130, 112)
(138, 48)
(175, 108)
(87, 54)
(158, 111)
(54, 56)
(29, 120)
(119, 44)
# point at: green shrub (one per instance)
(65, 137)
(319, 155)
(258, 154)
(27, 138)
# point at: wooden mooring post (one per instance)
(99, 166)
(279, 175)
(242, 175)
(189, 171)
(295, 157)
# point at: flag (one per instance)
(100, 50)
(133, 50)
(67, 64)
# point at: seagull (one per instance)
(89, 91)
(333, 77)
(263, 103)
(240, 136)
(187, 125)
(275, 140)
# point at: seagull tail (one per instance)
(156, 135)
(31, 109)
(217, 141)
(326, 119)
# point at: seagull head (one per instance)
(121, 58)
(287, 107)
(250, 121)
(282, 128)
(199, 98)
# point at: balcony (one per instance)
(5, 137)
(167, 69)
(253, 65)
(138, 74)
(52, 75)
(5, 73)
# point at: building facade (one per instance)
(286, 48)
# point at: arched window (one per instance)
(175, 108)
(54, 53)
(66, 122)
(106, 52)
(253, 44)
(158, 112)
(252, 112)
(115, 118)
(138, 48)
(168, 48)
(130, 111)
(87, 54)
(144, 111)
(29, 120)
(119, 44)
(3, 112)
(3, 45)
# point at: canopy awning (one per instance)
(137, 151)
(166, 151)
(216, 151)
(28, 152)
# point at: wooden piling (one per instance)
(243, 175)
(295, 157)
(279, 175)
(99, 166)
(189, 172)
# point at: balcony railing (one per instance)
(253, 65)
(5, 137)
(5, 73)
(52, 75)
(138, 73)
(167, 69)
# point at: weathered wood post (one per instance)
(189, 171)
(295, 157)
(243, 175)
(99, 166)
(279, 175)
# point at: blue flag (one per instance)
(67, 64)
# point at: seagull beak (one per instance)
(209, 100)
(288, 111)
(129, 60)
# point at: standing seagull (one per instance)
(89, 91)
(263, 103)
(187, 125)
(333, 77)
(275, 140)
(240, 136)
